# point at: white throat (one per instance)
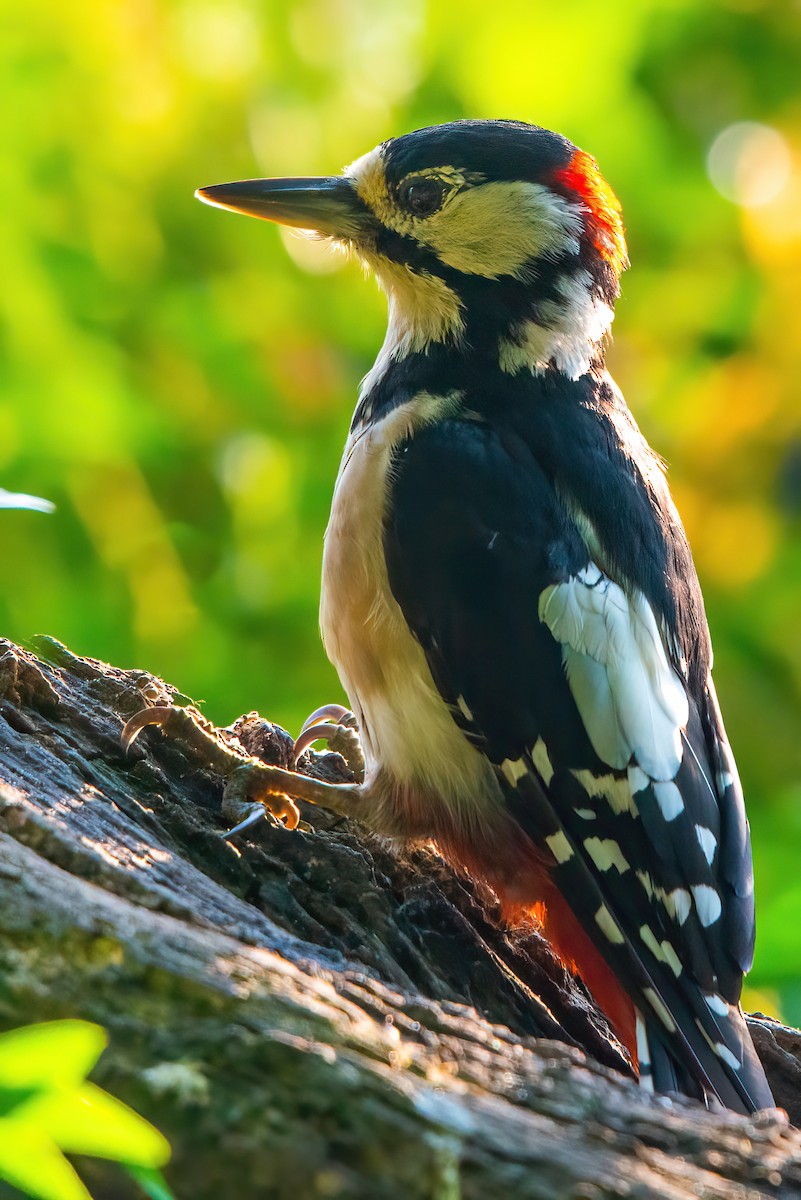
(422, 310)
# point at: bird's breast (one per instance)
(413, 747)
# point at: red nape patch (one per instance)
(582, 176)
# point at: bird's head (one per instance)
(495, 236)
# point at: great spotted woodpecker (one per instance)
(509, 597)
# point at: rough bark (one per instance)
(311, 1014)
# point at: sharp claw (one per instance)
(247, 781)
(311, 734)
(257, 815)
(251, 787)
(158, 715)
(328, 712)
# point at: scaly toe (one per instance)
(250, 785)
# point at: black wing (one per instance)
(594, 734)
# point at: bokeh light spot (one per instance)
(219, 42)
(735, 543)
(749, 163)
(256, 472)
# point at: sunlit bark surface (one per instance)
(311, 1014)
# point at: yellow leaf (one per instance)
(31, 1162)
(87, 1120)
(53, 1054)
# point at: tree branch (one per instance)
(312, 1014)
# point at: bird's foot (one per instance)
(337, 726)
(253, 788)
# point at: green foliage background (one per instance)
(180, 381)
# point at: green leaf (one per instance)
(54, 1054)
(87, 1120)
(31, 1162)
(152, 1183)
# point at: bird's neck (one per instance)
(438, 341)
(565, 331)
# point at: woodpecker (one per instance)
(509, 597)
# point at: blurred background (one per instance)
(180, 381)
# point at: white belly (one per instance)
(407, 729)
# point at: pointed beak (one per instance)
(330, 206)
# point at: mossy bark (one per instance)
(312, 1014)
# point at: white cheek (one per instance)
(498, 228)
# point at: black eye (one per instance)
(422, 196)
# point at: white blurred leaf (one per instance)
(20, 500)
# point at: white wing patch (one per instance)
(677, 902)
(542, 761)
(631, 701)
(716, 1004)
(609, 926)
(707, 904)
(560, 847)
(617, 792)
(514, 770)
(707, 841)
(606, 853)
(661, 950)
(668, 797)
